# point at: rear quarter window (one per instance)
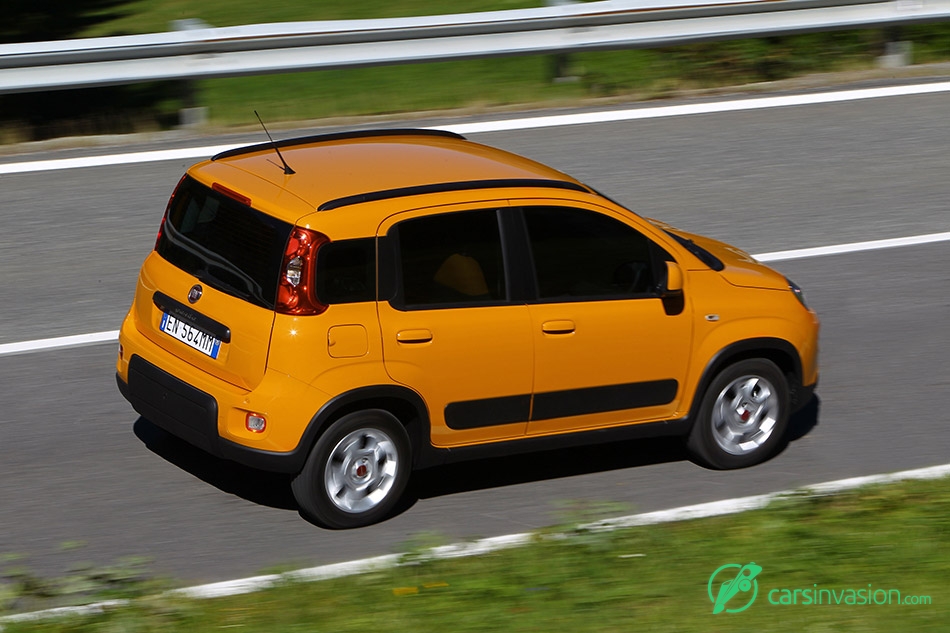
(346, 271)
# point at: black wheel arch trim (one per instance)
(761, 347)
(410, 409)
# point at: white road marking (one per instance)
(716, 107)
(496, 543)
(61, 342)
(839, 249)
(525, 123)
(114, 159)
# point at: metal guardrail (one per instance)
(296, 46)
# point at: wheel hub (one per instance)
(744, 415)
(745, 411)
(361, 470)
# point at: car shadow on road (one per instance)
(257, 486)
(551, 464)
(273, 489)
(568, 462)
(804, 420)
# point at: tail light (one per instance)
(295, 294)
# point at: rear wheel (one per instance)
(357, 471)
(743, 416)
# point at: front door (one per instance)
(607, 349)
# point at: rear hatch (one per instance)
(207, 293)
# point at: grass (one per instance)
(649, 578)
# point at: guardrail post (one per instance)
(897, 53)
(191, 114)
(559, 63)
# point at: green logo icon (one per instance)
(730, 583)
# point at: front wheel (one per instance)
(356, 472)
(743, 416)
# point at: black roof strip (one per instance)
(449, 186)
(335, 136)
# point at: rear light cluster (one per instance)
(295, 295)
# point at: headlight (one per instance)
(797, 291)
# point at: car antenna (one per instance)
(287, 170)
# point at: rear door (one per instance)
(451, 329)
(207, 292)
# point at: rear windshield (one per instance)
(224, 243)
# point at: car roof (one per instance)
(338, 170)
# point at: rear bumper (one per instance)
(192, 415)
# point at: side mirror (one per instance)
(674, 279)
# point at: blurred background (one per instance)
(477, 84)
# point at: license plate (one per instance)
(190, 335)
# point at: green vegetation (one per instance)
(150, 16)
(651, 578)
(22, 591)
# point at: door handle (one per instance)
(562, 326)
(414, 336)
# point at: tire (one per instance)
(356, 472)
(743, 416)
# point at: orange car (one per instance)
(351, 307)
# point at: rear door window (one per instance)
(450, 260)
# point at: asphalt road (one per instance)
(78, 466)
